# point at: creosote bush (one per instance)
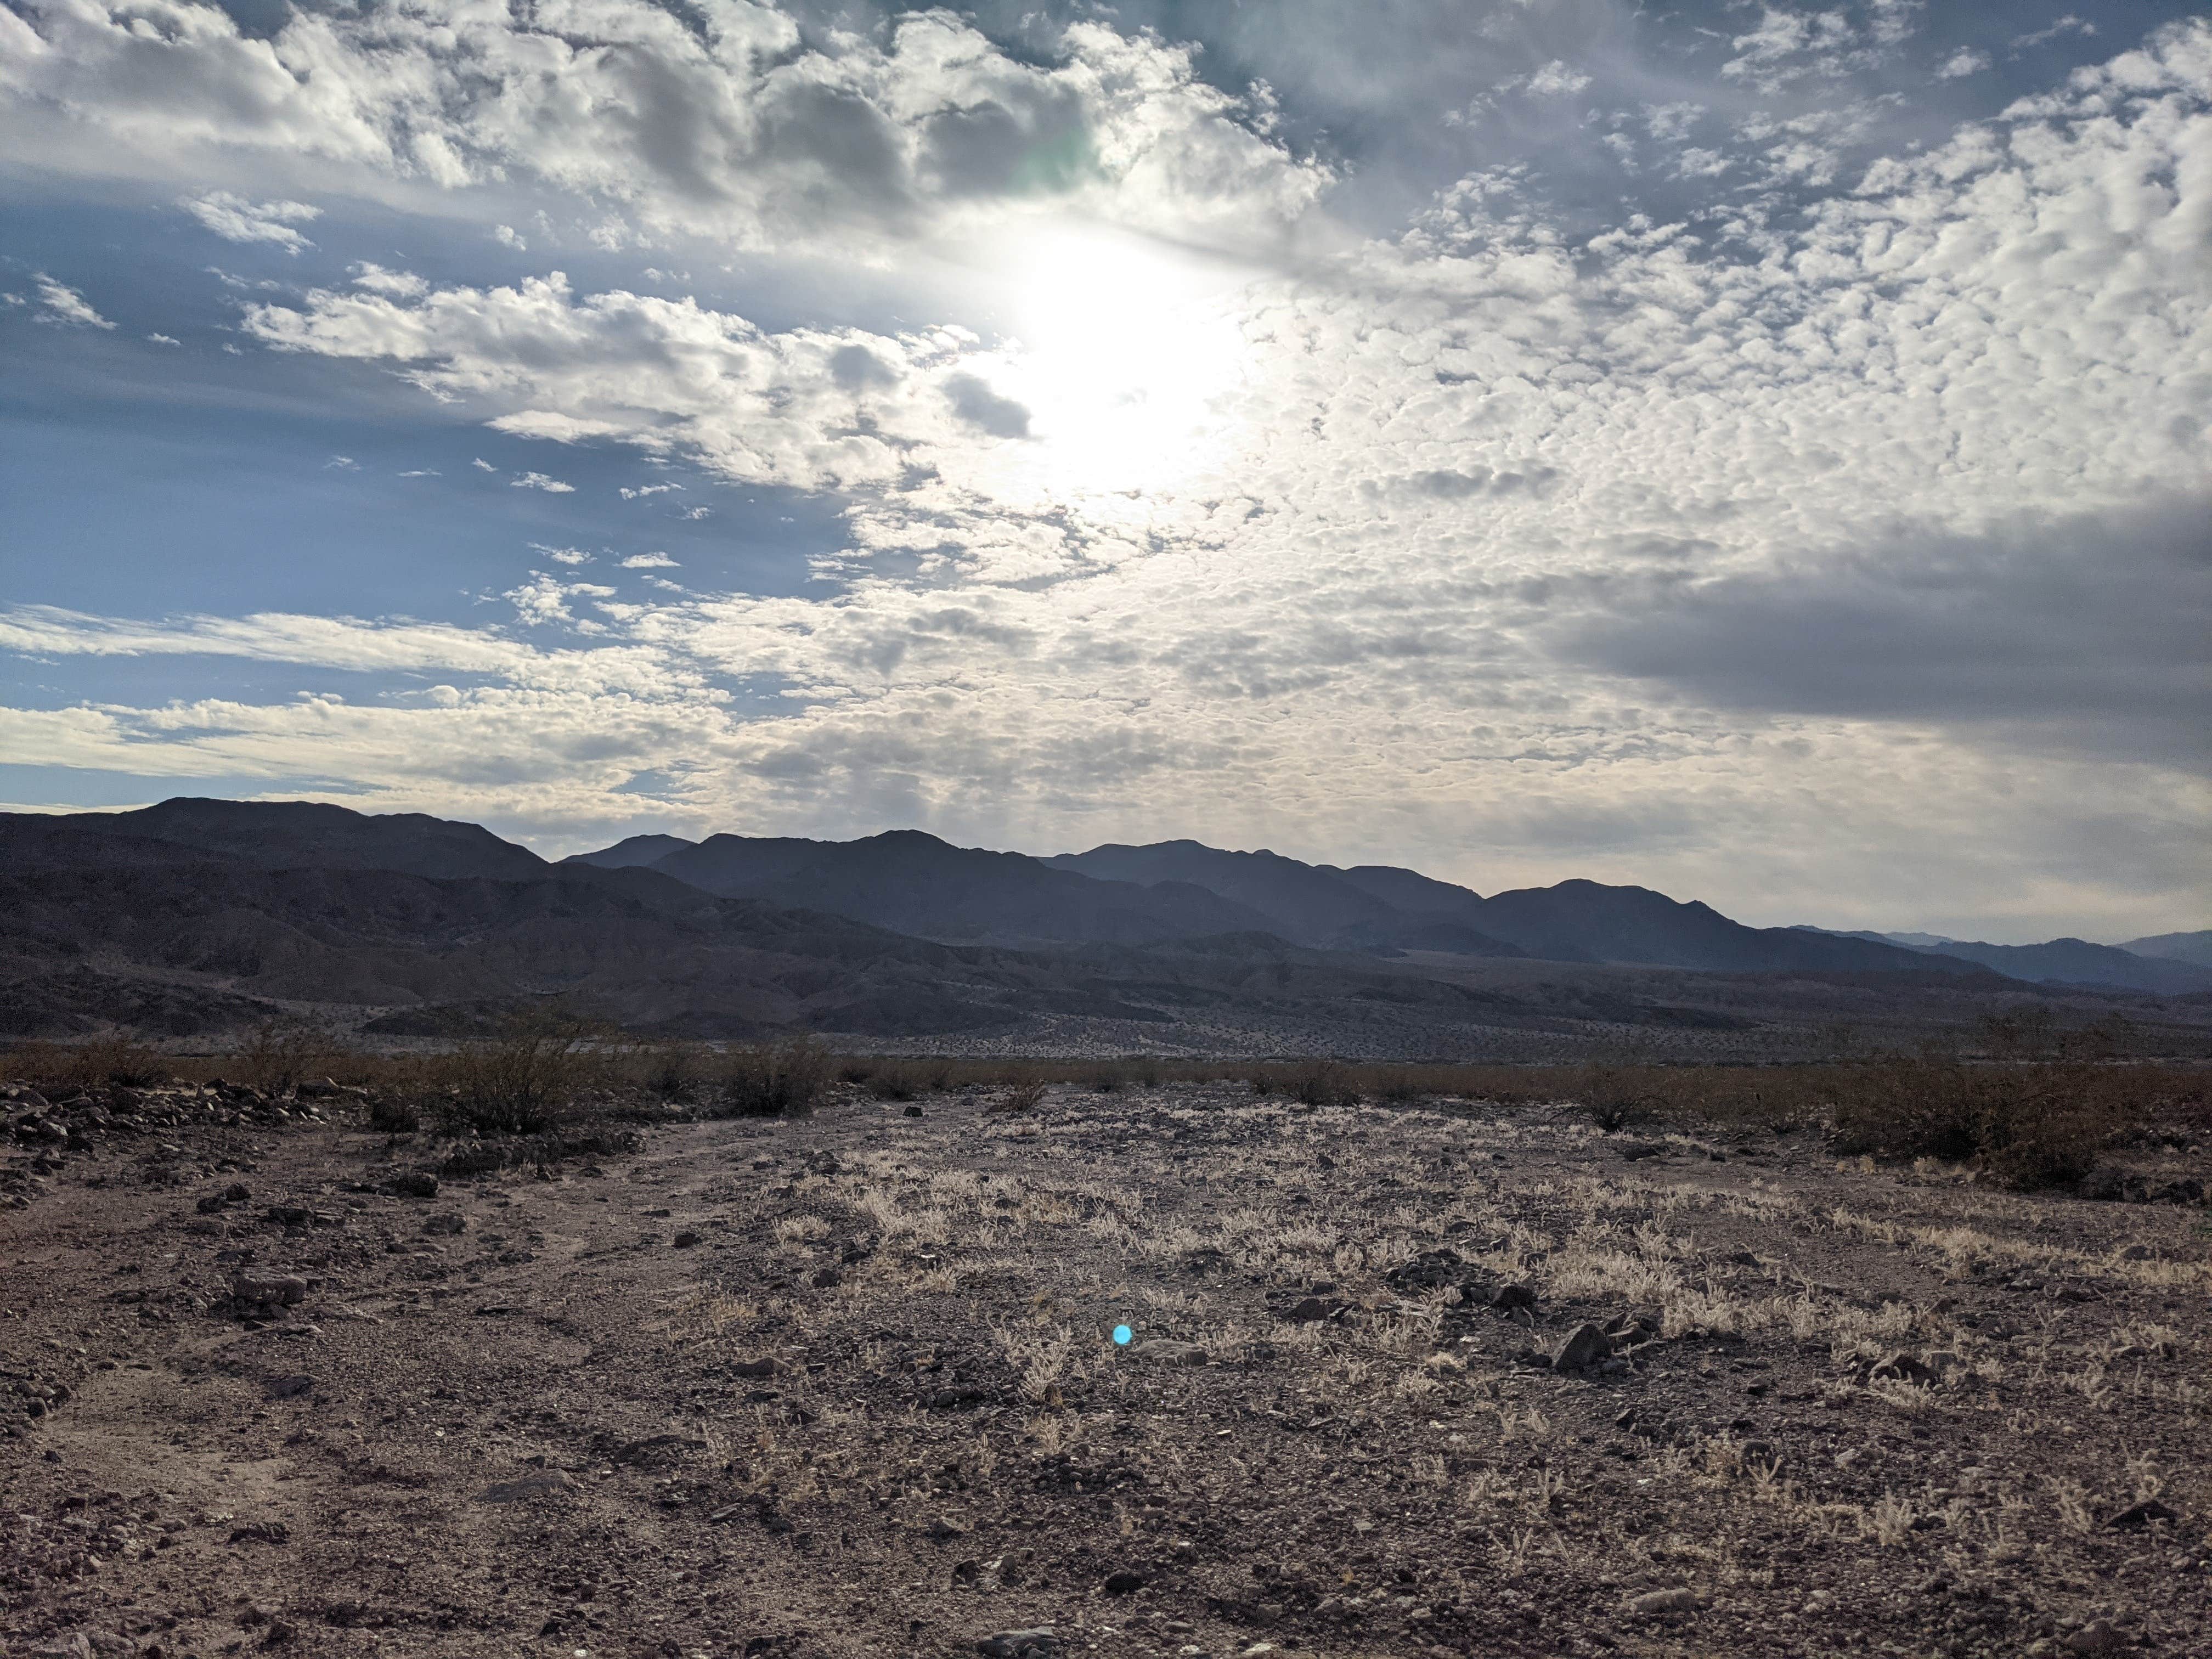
(784, 1080)
(518, 1082)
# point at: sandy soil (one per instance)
(847, 1385)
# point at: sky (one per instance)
(1757, 452)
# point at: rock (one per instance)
(1313, 1308)
(2136, 1516)
(1161, 1351)
(913, 1111)
(1635, 1151)
(1584, 1346)
(1508, 1297)
(288, 1215)
(763, 1367)
(288, 1388)
(551, 1484)
(270, 1289)
(1039, 1644)
(316, 1088)
(2098, 1636)
(944, 1527)
(78, 1645)
(1124, 1583)
(1653, 1602)
(411, 1183)
(1430, 1270)
(685, 1240)
(447, 1223)
(826, 1278)
(261, 1532)
(1902, 1367)
(2103, 1183)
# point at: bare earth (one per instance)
(875, 1407)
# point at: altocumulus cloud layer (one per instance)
(1738, 461)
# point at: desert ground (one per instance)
(1427, 1378)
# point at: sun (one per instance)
(1125, 350)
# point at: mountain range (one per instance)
(2067, 960)
(194, 914)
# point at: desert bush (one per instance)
(673, 1070)
(1019, 1098)
(1324, 1083)
(517, 1082)
(784, 1080)
(392, 1115)
(278, 1053)
(2032, 1125)
(114, 1057)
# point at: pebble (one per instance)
(551, 1484)
(1652, 1602)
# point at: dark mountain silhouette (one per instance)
(627, 855)
(2070, 962)
(1313, 904)
(272, 835)
(914, 883)
(1574, 921)
(2194, 947)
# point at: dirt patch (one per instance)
(1431, 1378)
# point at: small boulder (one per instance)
(411, 1183)
(1652, 1603)
(685, 1240)
(1507, 1299)
(2136, 1516)
(1040, 1643)
(1124, 1583)
(2098, 1636)
(1313, 1308)
(270, 1289)
(1584, 1346)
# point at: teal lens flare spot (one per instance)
(1122, 1333)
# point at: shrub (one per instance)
(277, 1053)
(516, 1082)
(1324, 1083)
(782, 1080)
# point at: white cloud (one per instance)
(1556, 80)
(649, 561)
(235, 219)
(1964, 62)
(482, 466)
(563, 554)
(65, 306)
(643, 490)
(342, 464)
(506, 236)
(729, 124)
(422, 472)
(539, 481)
(165, 339)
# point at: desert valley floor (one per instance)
(1429, 1379)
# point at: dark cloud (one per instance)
(2091, 632)
(974, 402)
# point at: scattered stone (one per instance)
(1161, 1351)
(685, 1239)
(1902, 1367)
(2136, 1516)
(268, 1290)
(1039, 1644)
(1313, 1308)
(261, 1532)
(763, 1367)
(551, 1484)
(288, 1388)
(1431, 1270)
(913, 1111)
(1506, 1299)
(447, 1222)
(945, 1527)
(1635, 1151)
(1583, 1348)
(1654, 1602)
(411, 1183)
(1124, 1583)
(2098, 1636)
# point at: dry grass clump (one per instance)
(114, 1057)
(516, 1083)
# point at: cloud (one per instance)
(641, 491)
(65, 307)
(2059, 27)
(1556, 80)
(543, 602)
(237, 220)
(649, 561)
(482, 466)
(342, 464)
(563, 554)
(732, 125)
(755, 406)
(506, 236)
(539, 481)
(164, 339)
(1964, 62)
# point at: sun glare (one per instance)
(1124, 348)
